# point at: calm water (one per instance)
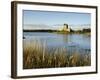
(72, 42)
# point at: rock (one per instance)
(23, 37)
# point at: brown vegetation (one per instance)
(38, 55)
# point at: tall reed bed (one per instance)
(36, 54)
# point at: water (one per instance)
(80, 43)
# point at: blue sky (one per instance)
(50, 18)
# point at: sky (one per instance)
(48, 19)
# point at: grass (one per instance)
(37, 55)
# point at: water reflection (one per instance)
(74, 43)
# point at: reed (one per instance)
(36, 54)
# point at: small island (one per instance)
(64, 30)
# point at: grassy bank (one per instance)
(38, 55)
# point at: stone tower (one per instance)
(65, 28)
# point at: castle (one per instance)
(65, 28)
